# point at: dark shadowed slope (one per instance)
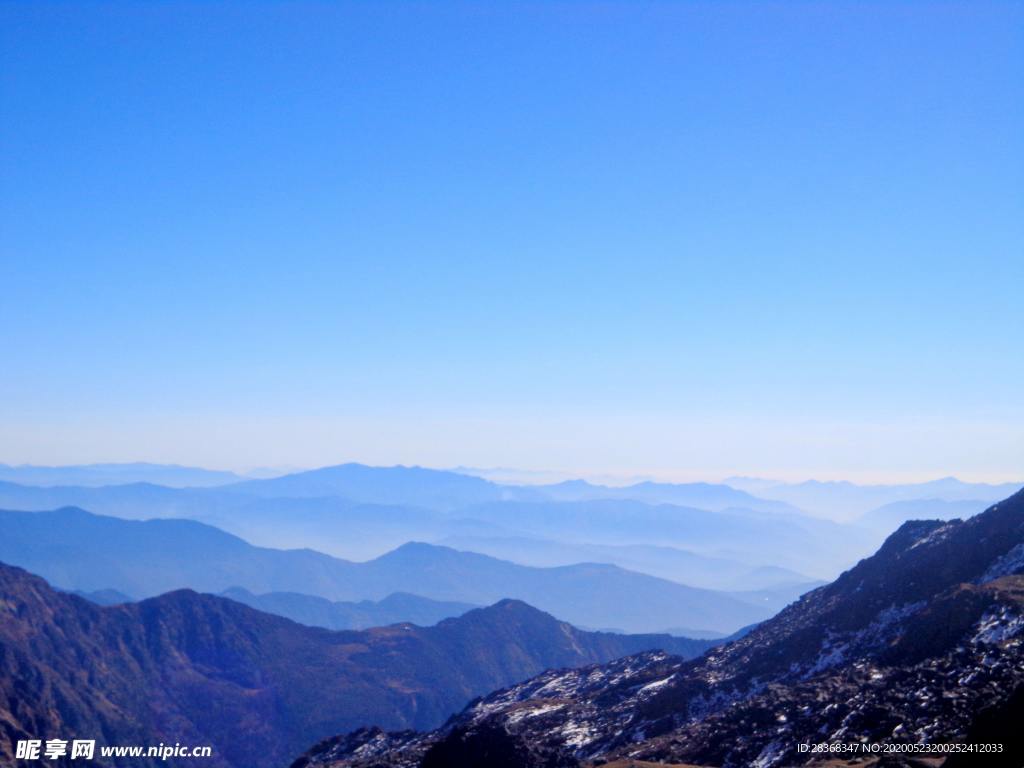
(201, 669)
(922, 642)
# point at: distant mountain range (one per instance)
(103, 596)
(446, 490)
(338, 525)
(315, 611)
(319, 612)
(411, 486)
(698, 495)
(77, 550)
(891, 516)
(845, 500)
(938, 602)
(450, 490)
(357, 512)
(170, 475)
(737, 541)
(788, 540)
(671, 563)
(920, 643)
(201, 669)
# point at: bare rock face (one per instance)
(920, 643)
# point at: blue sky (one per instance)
(676, 239)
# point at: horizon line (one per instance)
(521, 475)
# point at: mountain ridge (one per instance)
(844, 499)
(202, 669)
(909, 645)
(172, 475)
(329, 521)
(396, 608)
(79, 550)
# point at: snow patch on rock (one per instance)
(1010, 563)
(994, 627)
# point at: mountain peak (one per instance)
(514, 606)
(417, 550)
(908, 534)
(413, 486)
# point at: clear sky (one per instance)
(682, 239)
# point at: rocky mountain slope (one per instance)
(920, 643)
(200, 669)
